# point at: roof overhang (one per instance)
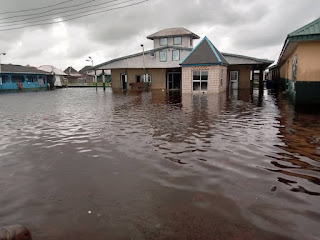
(193, 35)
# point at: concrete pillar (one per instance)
(103, 80)
(261, 84)
(96, 79)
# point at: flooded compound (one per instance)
(80, 164)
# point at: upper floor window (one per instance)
(163, 56)
(191, 42)
(175, 55)
(163, 41)
(177, 40)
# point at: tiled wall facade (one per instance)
(214, 80)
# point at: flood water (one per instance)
(81, 164)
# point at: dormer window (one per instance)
(163, 41)
(177, 40)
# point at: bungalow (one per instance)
(17, 77)
(161, 68)
(298, 70)
(56, 76)
(73, 75)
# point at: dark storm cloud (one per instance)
(239, 26)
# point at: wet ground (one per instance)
(80, 164)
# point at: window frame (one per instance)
(179, 55)
(166, 56)
(166, 44)
(180, 43)
(200, 80)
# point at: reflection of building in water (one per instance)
(300, 133)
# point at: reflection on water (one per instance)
(79, 164)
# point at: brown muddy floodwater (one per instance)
(80, 164)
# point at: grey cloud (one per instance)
(252, 27)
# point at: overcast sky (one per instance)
(256, 28)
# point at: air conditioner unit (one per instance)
(152, 54)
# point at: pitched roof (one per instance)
(85, 70)
(171, 32)
(205, 53)
(71, 70)
(52, 70)
(309, 32)
(310, 28)
(11, 68)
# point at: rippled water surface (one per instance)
(81, 164)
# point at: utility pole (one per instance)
(1, 69)
(95, 73)
(144, 65)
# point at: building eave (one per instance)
(262, 61)
(97, 67)
(204, 64)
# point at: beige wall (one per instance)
(158, 77)
(213, 81)
(286, 68)
(244, 75)
(308, 62)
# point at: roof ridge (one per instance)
(296, 32)
(213, 48)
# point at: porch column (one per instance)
(261, 84)
(104, 80)
(252, 80)
(95, 79)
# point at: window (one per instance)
(42, 80)
(200, 80)
(175, 55)
(141, 78)
(163, 41)
(191, 42)
(177, 40)
(32, 79)
(17, 78)
(5, 78)
(163, 56)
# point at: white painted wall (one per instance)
(185, 42)
(137, 62)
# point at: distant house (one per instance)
(161, 68)
(17, 77)
(298, 69)
(89, 73)
(73, 75)
(58, 77)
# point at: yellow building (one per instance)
(298, 68)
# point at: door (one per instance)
(174, 81)
(124, 80)
(234, 79)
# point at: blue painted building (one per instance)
(17, 77)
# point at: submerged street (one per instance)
(81, 164)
